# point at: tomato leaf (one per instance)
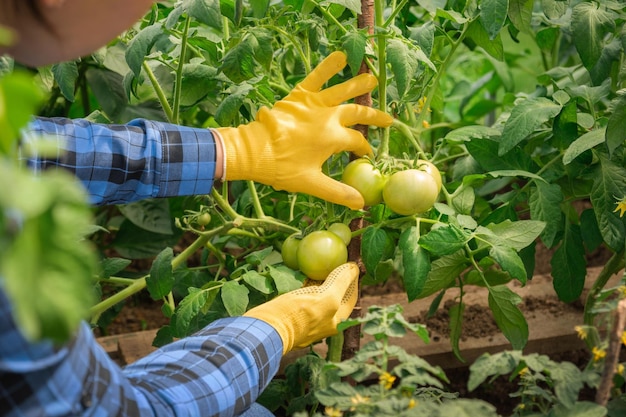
(544, 202)
(190, 307)
(526, 117)
(509, 261)
(152, 215)
(569, 266)
(376, 246)
(616, 125)
(111, 266)
(284, 280)
(588, 141)
(161, 278)
(66, 74)
(516, 235)
(444, 240)
(520, 13)
(444, 271)
(609, 184)
(510, 320)
(492, 45)
(257, 281)
(140, 45)
(456, 327)
(404, 63)
(204, 11)
(486, 365)
(591, 22)
(354, 43)
(493, 14)
(415, 262)
(235, 298)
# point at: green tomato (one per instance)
(342, 230)
(410, 192)
(431, 169)
(361, 175)
(320, 252)
(289, 251)
(204, 219)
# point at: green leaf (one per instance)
(509, 261)
(516, 235)
(205, 11)
(376, 246)
(510, 320)
(493, 15)
(581, 409)
(486, 152)
(591, 22)
(108, 88)
(284, 281)
(161, 279)
(520, 13)
(198, 80)
(354, 5)
(140, 45)
(493, 46)
(238, 64)
(525, 118)
(257, 281)
(616, 126)
(568, 381)
(515, 173)
(354, 43)
(152, 215)
(463, 199)
(228, 109)
(111, 266)
(235, 298)
(415, 262)
(569, 266)
(444, 240)
(191, 306)
(444, 271)
(404, 63)
(587, 141)
(486, 365)
(133, 242)
(456, 327)
(545, 206)
(467, 133)
(66, 74)
(609, 184)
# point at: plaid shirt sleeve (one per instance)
(219, 371)
(124, 163)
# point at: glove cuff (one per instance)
(248, 153)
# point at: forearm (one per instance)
(221, 370)
(125, 163)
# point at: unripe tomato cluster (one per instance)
(406, 192)
(319, 252)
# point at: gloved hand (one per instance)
(286, 146)
(311, 313)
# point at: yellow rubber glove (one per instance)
(286, 146)
(312, 313)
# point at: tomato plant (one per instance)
(320, 252)
(519, 103)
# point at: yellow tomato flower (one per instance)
(333, 412)
(621, 207)
(412, 403)
(598, 354)
(425, 124)
(581, 331)
(386, 380)
(523, 371)
(620, 368)
(624, 338)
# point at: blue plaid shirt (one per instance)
(219, 371)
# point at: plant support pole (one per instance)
(612, 354)
(352, 335)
